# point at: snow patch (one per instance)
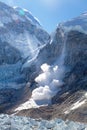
(85, 94)
(78, 104)
(27, 105)
(28, 15)
(74, 28)
(37, 20)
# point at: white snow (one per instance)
(27, 105)
(27, 44)
(78, 104)
(51, 41)
(55, 68)
(32, 19)
(85, 13)
(41, 77)
(76, 24)
(74, 28)
(37, 20)
(15, 7)
(29, 19)
(49, 85)
(45, 67)
(42, 93)
(25, 10)
(85, 94)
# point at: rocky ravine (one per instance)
(25, 46)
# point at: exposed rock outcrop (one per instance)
(71, 101)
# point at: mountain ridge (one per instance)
(25, 49)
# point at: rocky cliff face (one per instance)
(21, 37)
(69, 35)
(68, 50)
(75, 52)
(24, 47)
(71, 100)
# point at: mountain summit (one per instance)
(21, 37)
(42, 75)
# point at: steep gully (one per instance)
(70, 101)
(49, 81)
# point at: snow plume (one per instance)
(48, 83)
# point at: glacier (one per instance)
(25, 123)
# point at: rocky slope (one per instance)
(21, 37)
(68, 50)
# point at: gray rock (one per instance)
(21, 37)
